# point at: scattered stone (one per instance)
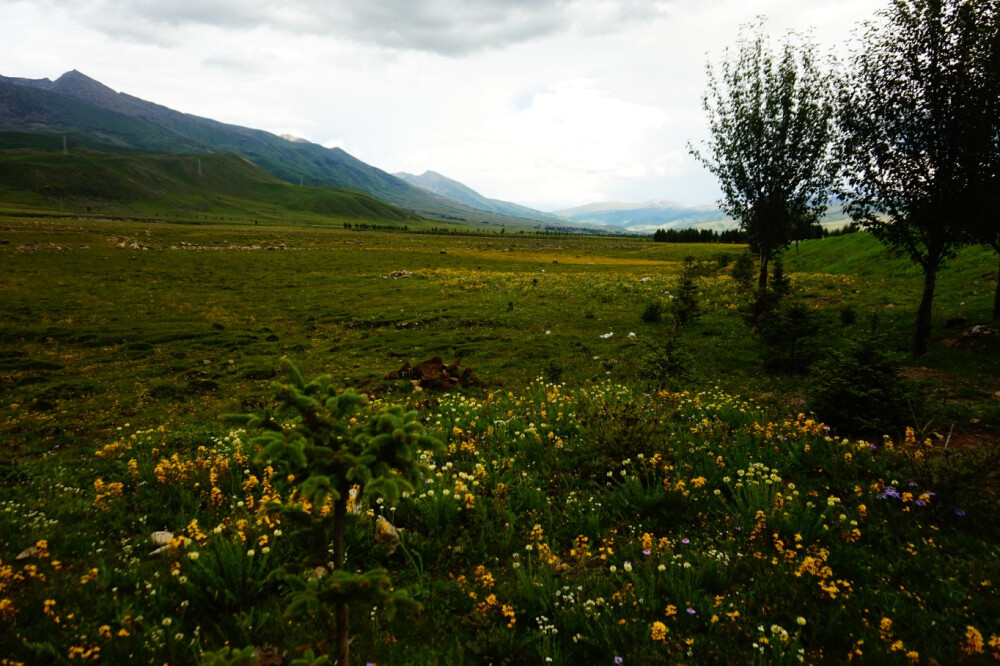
(434, 374)
(395, 275)
(161, 538)
(386, 534)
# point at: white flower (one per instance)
(548, 332)
(607, 335)
(631, 335)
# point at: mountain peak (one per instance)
(79, 85)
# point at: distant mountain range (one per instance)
(649, 216)
(87, 111)
(652, 215)
(446, 187)
(89, 114)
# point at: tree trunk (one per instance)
(922, 331)
(760, 305)
(996, 294)
(342, 616)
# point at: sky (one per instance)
(546, 103)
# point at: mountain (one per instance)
(652, 215)
(446, 187)
(76, 106)
(648, 216)
(35, 176)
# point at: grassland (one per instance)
(131, 338)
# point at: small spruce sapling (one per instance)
(743, 272)
(325, 444)
(684, 308)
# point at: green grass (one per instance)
(193, 187)
(116, 328)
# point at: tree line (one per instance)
(737, 236)
(906, 133)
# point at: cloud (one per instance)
(446, 27)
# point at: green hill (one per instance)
(90, 113)
(145, 184)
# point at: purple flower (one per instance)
(691, 611)
(646, 551)
(618, 660)
(889, 492)
(685, 540)
(959, 513)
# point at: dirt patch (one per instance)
(921, 374)
(978, 337)
(434, 374)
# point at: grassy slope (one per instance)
(152, 184)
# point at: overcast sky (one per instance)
(547, 103)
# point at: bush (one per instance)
(664, 364)
(684, 308)
(653, 313)
(860, 391)
(743, 272)
(781, 286)
(723, 260)
(789, 337)
(847, 315)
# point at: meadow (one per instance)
(585, 506)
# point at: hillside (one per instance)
(144, 184)
(446, 187)
(89, 112)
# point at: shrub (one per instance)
(653, 313)
(663, 364)
(860, 391)
(788, 334)
(743, 272)
(684, 308)
(781, 285)
(847, 315)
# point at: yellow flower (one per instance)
(973, 641)
(658, 632)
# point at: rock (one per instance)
(161, 538)
(434, 374)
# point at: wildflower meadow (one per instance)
(203, 502)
